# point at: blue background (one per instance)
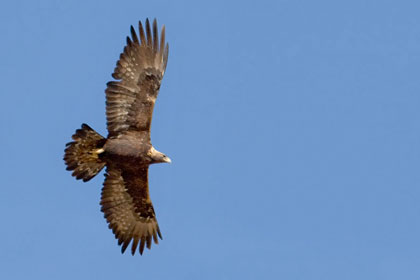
(293, 127)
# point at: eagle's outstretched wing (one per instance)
(139, 71)
(128, 209)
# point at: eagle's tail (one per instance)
(83, 155)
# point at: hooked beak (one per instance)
(167, 159)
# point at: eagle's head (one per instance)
(158, 157)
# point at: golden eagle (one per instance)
(127, 152)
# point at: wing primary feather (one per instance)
(165, 55)
(149, 242)
(162, 41)
(142, 36)
(148, 33)
(155, 35)
(158, 232)
(155, 238)
(125, 245)
(128, 41)
(141, 248)
(134, 246)
(134, 35)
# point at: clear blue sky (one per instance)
(293, 127)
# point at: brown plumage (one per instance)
(127, 152)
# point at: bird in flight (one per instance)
(127, 152)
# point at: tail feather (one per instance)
(83, 154)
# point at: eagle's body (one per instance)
(131, 145)
(127, 152)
